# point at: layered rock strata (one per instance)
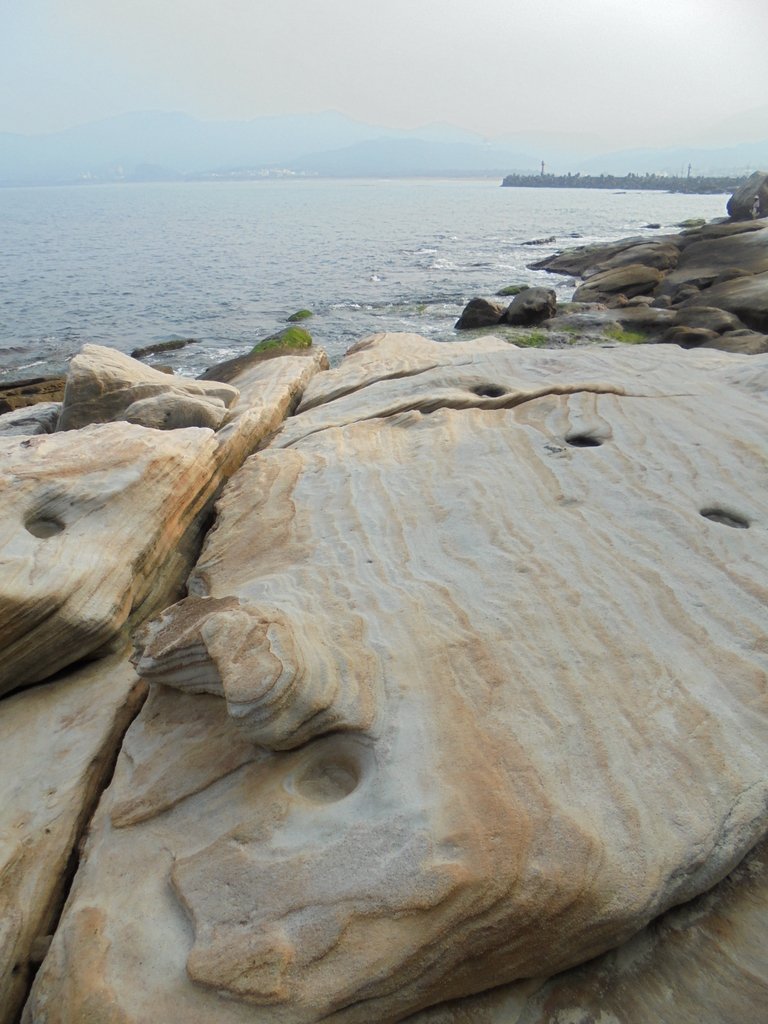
(468, 689)
(59, 742)
(101, 526)
(100, 519)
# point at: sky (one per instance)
(624, 72)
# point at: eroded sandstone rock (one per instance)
(40, 418)
(629, 280)
(59, 742)
(103, 383)
(495, 626)
(703, 963)
(90, 518)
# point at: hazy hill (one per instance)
(157, 145)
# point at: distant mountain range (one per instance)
(157, 146)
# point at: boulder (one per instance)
(575, 261)
(710, 256)
(746, 298)
(750, 200)
(40, 418)
(746, 342)
(98, 520)
(689, 337)
(661, 255)
(90, 519)
(532, 306)
(174, 412)
(102, 383)
(480, 313)
(481, 724)
(711, 318)
(632, 279)
(228, 369)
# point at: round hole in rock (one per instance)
(489, 391)
(328, 781)
(583, 441)
(44, 526)
(719, 515)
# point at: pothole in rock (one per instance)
(328, 781)
(719, 515)
(489, 391)
(43, 526)
(583, 441)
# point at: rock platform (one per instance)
(462, 715)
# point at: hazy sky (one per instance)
(634, 72)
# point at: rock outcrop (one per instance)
(59, 743)
(101, 526)
(751, 200)
(90, 519)
(102, 384)
(468, 690)
(722, 266)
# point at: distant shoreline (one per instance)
(630, 182)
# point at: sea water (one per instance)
(226, 263)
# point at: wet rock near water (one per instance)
(20, 394)
(721, 267)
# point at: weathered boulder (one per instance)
(96, 519)
(690, 337)
(711, 318)
(227, 370)
(746, 342)
(40, 418)
(710, 256)
(500, 721)
(89, 520)
(662, 255)
(579, 259)
(480, 313)
(750, 201)
(531, 306)
(744, 297)
(174, 412)
(59, 743)
(102, 383)
(631, 279)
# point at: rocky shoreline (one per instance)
(706, 286)
(427, 688)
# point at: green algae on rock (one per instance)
(291, 337)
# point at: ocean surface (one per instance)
(226, 263)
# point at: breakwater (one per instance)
(645, 182)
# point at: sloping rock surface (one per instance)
(58, 741)
(89, 519)
(469, 688)
(98, 519)
(703, 963)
